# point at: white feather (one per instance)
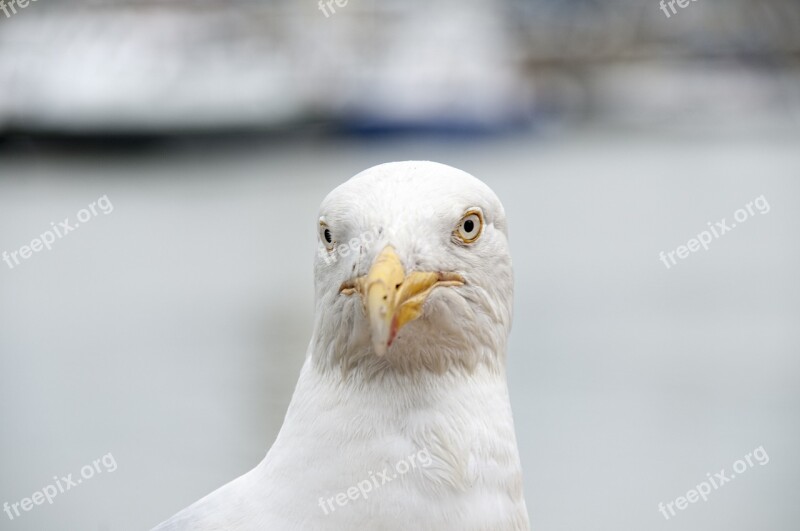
(440, 391)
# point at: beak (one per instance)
(393, 299)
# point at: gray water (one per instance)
(170, 332)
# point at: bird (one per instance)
(401, 417)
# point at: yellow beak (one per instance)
(392, 299)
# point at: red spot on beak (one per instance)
(392, 331)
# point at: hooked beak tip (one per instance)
(393, 298)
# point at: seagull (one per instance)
(401, 417)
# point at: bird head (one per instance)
(413, 271)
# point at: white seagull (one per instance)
(401, 417)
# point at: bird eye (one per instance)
(326, 236)
(470, 227)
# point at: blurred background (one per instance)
(170, 330)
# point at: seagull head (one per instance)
(412, 271)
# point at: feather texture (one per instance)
(419, 438)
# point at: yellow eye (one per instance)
(326, 236)
(470, 227)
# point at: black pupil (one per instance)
(328, 236)
(469, 225)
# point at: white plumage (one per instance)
(407, 359)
